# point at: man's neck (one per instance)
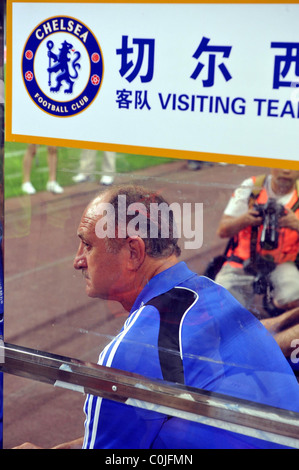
(147, 271)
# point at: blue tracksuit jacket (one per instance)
(187, 329)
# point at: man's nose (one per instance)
(79, 261)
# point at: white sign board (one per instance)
(184, 80)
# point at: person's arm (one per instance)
(230, 226)
(284, 328)
(290, 220)
(283, 321)
(75, 444)
(237, 215)
(285, 340)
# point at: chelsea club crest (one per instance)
(62, 66)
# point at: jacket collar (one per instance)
(162, 283)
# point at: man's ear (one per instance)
(136, 252)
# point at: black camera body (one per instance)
(261, 266)
(270, 213)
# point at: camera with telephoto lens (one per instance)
(270, 213)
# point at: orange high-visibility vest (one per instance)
(288, 242)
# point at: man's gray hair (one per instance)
(156, 243)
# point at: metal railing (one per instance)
(263, 422)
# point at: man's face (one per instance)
(284, 180)
(103, 271)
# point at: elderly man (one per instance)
(181, 328)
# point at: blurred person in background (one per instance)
(88, 167)
(52, 185)
(261, 220)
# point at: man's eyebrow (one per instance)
(82, 236)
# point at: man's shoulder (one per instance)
(185, 295)
(177, 298)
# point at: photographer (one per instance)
(261, 209)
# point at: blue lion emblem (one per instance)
(61, 66)
(62, 74)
